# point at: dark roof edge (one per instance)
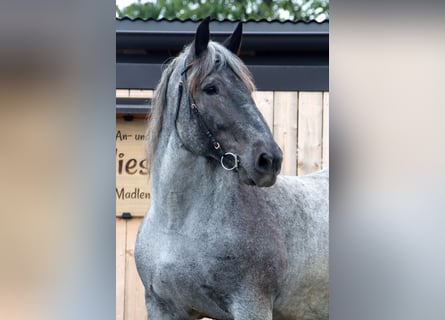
(282, 78)
(172, 35)
(263, 27)
(224, 20)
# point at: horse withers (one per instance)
(225, 236)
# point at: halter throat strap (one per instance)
(228, 160)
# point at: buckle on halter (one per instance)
(235, 161)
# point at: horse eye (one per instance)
(210, 90)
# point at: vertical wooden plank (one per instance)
(325, 145)
(134, 290)
(310, 119)
(141, 93)
(264, 102)
(120, 267)
(285, 129)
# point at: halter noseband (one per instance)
(194, 108)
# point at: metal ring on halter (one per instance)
(235, 159)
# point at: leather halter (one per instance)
(216, 145)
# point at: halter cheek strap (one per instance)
(225, 157)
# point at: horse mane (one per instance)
(213, 59)
(159, 100)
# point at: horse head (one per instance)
(216, 114)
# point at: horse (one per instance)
(226, 236)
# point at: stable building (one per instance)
(289, 62)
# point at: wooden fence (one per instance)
(300, 125)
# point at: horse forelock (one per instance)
(213, 59)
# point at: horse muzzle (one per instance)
(264, 169)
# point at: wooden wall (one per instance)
(300, 124)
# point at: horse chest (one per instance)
(201, 268)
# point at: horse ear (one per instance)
(233, 43)
(202, 37)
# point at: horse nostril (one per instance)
(265, 162)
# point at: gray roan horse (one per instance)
(225, 237)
